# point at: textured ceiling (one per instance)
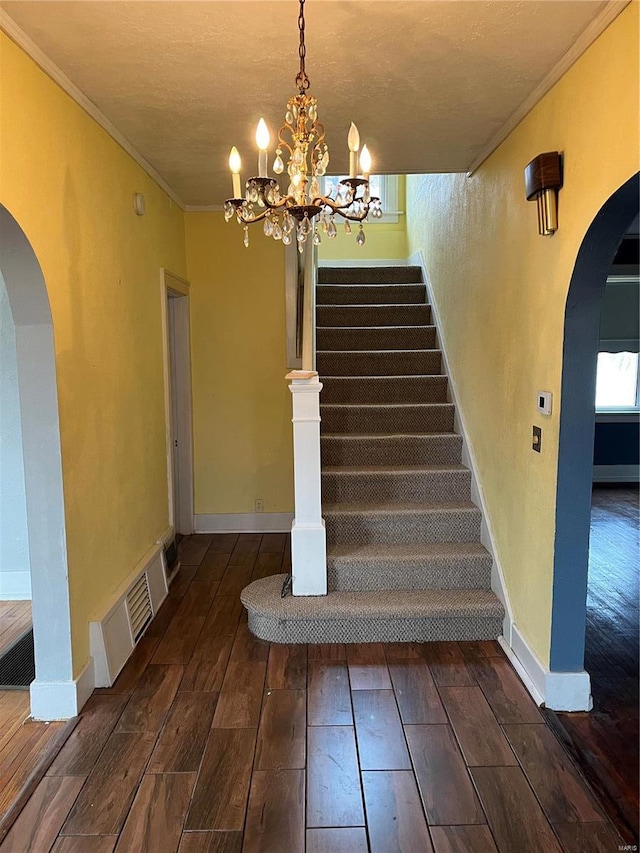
(428, 82)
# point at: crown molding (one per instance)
(586, 38)
(203, 208)
(16, 34)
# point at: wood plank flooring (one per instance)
(15, 619)
(605, 740)
(212, 741)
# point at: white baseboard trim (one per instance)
(244, 522)
(15, 586)
(362, 262)
(559, 691)
(498, 584)
(61, 700)
(616, 473)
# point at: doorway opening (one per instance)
(32, 400)
(178, 401)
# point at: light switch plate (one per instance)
(544, 401)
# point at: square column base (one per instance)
(309, 559)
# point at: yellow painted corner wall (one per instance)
(70, 187)
(501, 291)
(383, 240)
(241, 401)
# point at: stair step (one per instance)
(382, 483)
(368, 617)
(401, 522)
(367, 449)
(384, 389)
(379, 362)
(375, 337)
(387, 418)
(373, 315)
(400, 274)
(444, 565)
(370, 294)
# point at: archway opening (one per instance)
(53, 693)
(582, 343)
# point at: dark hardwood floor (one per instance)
(212, 741)
(605, 741)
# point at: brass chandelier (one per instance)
(302, 212)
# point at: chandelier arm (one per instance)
(329, 202)
(337, 208)
(353, 218)
(282, 142)
(257, 218)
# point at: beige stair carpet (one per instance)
(404, 557)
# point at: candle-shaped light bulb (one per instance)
(353, 141)
(234, 164)
(262, 141)
(365, 162)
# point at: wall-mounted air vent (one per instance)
(139, 606)
(114, 633)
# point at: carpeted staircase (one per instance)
(404, 556)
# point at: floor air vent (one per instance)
(139, 606)
(17, 664)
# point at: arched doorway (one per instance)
(577, 424)
(53, 693)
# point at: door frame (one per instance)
(173, 287)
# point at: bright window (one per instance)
(617, 380)
(384, 187)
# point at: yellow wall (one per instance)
(501, 291)
(70, 187)
(383, 240)
(242, 404)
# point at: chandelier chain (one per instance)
(302, 81)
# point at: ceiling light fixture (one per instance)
(302, 212)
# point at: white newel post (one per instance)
(308, 535)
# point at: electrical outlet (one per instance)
(536, 443)
(258, 505)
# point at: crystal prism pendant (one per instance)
(347, 227)
(332, 231)
(245, 239)
(277, 231)
(360, 238)
(316, 237)
(286, 238)
(268, 227)
(278, 164)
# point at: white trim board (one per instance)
(584, 41)
(498, 584)
(244, 522)
(616, 473)
(559, 691)
(58, 76)
(62, 700)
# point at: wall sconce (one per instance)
(542, 180)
